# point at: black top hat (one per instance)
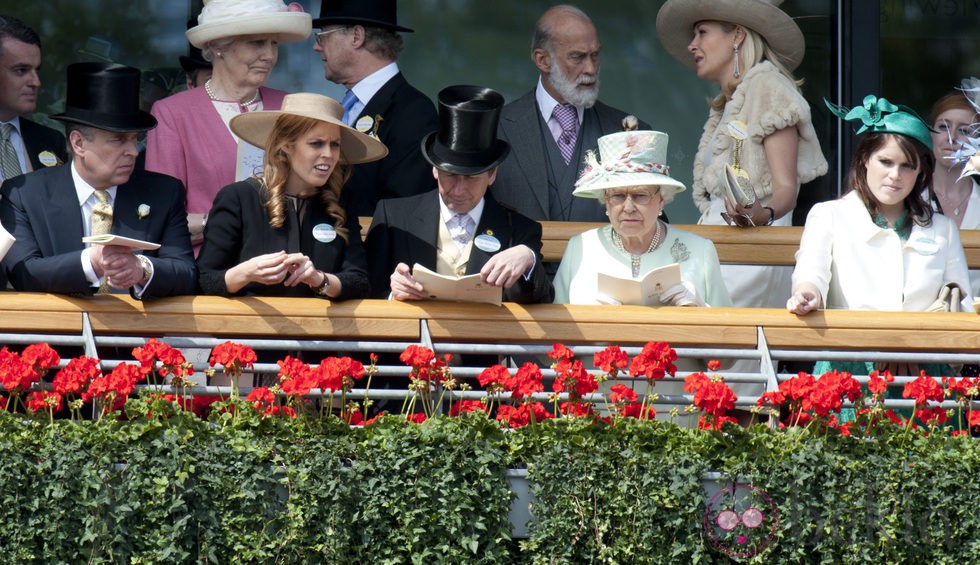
(378, 13)
(466, 143)
(194, 60)
(105, 96)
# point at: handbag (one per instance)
(948, 299)
(738, 185)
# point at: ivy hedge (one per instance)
(163, 485)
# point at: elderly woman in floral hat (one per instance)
(632, 180)
(194, 141)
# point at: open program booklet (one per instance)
(112, 239)
(644, 291)
(6, 241)
(470, 288)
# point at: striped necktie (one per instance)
(9, 163)
(102, 224)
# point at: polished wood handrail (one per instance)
(382, 320)
(772, 245)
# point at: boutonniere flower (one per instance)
(143, 211)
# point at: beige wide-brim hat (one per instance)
(628, 158)
(357, 147)
(229, 18)
(676, 19)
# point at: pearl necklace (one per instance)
(243, 106)
(658, 238)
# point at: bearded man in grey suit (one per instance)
(551, 128)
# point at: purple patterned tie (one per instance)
(567, 117)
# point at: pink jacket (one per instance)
(193, 144)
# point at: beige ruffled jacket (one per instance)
(766, 101)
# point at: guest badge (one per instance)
(925, 246)
(324, 233)
(486, 242)
(738, 129)
(365, 124)
(47, 158)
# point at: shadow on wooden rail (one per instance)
(773, 245)
(382, 320)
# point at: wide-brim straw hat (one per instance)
(229, 18)
(357, 147)
(628, 158)
(676, 19)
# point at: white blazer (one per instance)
(857, 265)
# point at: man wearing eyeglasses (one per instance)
(359, 43)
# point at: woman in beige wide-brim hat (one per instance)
(759, 121)
(194, 142)
(284, 231)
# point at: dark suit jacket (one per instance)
(238, 229)
(522, 179)
(38, 139)
(41, 210)
(406, 116)
(406, 230)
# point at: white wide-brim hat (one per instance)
(229, 18)
(628, 158)
(357, 147)
(676, 19)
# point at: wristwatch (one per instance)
(147, 268)
(322, 289)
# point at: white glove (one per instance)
(681, 295)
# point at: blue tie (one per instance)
(348, 102)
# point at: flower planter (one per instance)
(520, 506)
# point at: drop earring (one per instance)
(737, 73)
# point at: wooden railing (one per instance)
(772, 245)
(544, 324)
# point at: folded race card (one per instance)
(113, 239)
(644, 291)
(470, 288)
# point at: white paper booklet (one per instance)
(644, 291)
(6, 241)
(113, 239)
(470, 288)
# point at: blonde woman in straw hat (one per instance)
(759, 123)
(284, 232)
(632, 180)
(194, 141)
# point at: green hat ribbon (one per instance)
(878, 115)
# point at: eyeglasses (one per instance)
(638, 198)
(320, 35)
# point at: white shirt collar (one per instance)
(476, 213)
(84, 190)
(371, 84)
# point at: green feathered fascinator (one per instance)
(881, 116)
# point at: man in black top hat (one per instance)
(458, 229)
(51, 210)
(359, 43)
(196, 70)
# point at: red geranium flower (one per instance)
(527, 381)
(520, 416)
(636, 410)
(654, 361)
(611, 360)
(461, 406)
(40, 357)
(576, 409)
(416, 418)
(496, 379)
(878, 382)
(44, 400)
(296, 378)
(76, 375)
(576, 380)
(923, 389)
(234, 357)
(559, 352)
(621, 393)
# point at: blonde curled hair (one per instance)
(276, 168)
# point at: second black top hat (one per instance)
(378, 13)
(105, 96)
